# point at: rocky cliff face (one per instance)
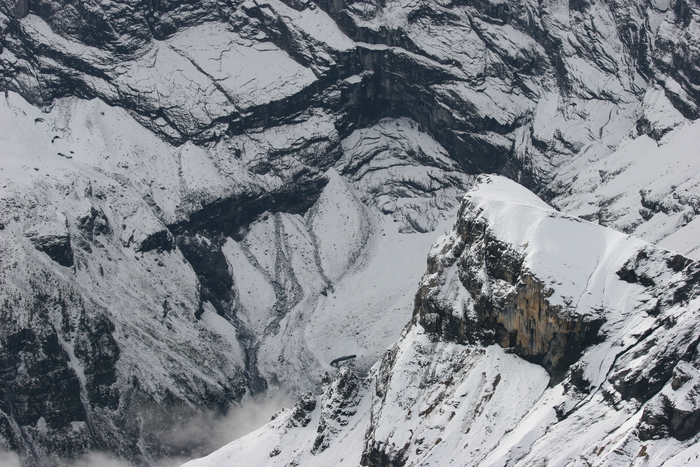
(484, 78)
(510, 304)
(205, 201)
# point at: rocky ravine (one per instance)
(144, 326)
(523, 366)
(204, 201)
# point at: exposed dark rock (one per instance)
(579, 5)
(57, 247)
(230, 216)
(645, 127)
(160, 240)
(38, 382)
(683, 11)
(642, 385)
(99, 351)
(667, 353)
(94, 223)
(664, 419)
(54, 242)
(628, 272)
(379, 455)
(340, 401)
(301, 412)
(21, 8)
(39, 394)
(576, 381)
(523, 319)
(210, 265)
(678, 262)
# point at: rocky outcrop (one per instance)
(340, 401)
(51, 385)
(505, 302)
(39, 390)
(301, 412)
(671, 415)
(56, 246)
(21, 8)
(143, 232)
(210, 265)
(53, 238)
(231, 215)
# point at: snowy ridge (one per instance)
(631, 397)
(571, 257)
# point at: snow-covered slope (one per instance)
(139, 307)
(646, 187)
(204, 202)
(609, 318)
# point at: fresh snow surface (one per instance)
(314, 24)
(645, 187)
(474, 370)
(350, 276)
(571, 256)
(397, 167)
(247, 72)
(340, 280)
(202, 73)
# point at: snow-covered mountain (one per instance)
(207, 202)
(537, 339)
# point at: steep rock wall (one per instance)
(507, 303)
